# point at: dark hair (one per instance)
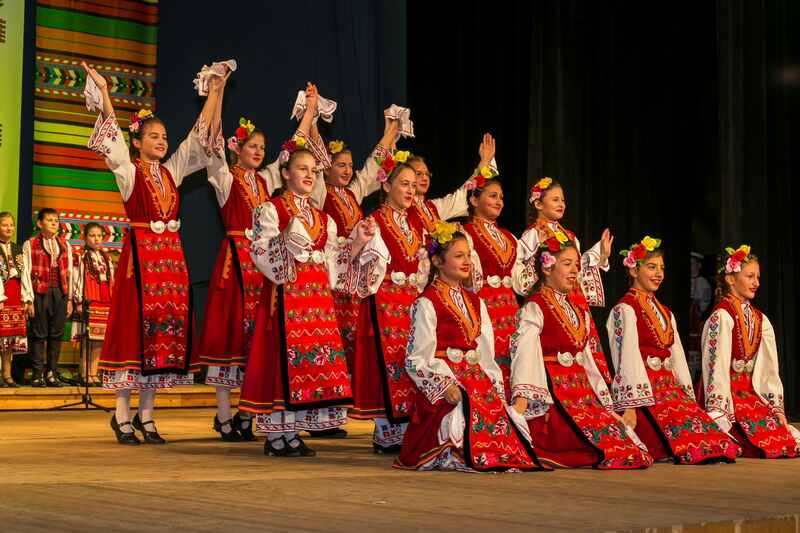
(294, 155)
(6, 214)
(43, 212)
(439, 252)
(89, 227)
(535, 212)
(537, 264)
(134, 152)
(477, 191)
(392, 176)
(658, 252)
(722, 289)
(233, 157)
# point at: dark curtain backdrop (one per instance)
(354, 50)
(660, 119)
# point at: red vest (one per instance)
(40, 265)
(494, 260)
(345, 211)
(452, 330)
(237, 213)
(741, 346)
(425, 219)
(653, 340)
(403, 251)
(558, 333)
(318, 232)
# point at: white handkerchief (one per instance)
(402, 114)
(203, 78)
(94, 98)
(325, 108)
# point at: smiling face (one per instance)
(489, 203)
(401, 188)
(152, 143)
(341, 170)
(422, 175)
(744, 284)
(649, 276)
(299, 174)
(455, 264)
(7, 228)
(563, 276)
(251, 153)
(552, 204)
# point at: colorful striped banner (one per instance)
(119, 39)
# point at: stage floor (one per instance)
(64, 471)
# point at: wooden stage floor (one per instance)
(63, 471)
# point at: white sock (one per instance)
(291, 438)
(123, 412)
(246, 419)
(276, 440)
(147, 400)
(224, 407)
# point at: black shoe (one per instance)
(333, 433)
(232, 435)
(38, 381)
(122, 436)
(245, 428)
(10, 383)
(52, 380)
(3, 384)
(150, 437)
(271, 451)
(299, 449)
(394, 449)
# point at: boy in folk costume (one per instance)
(742, 389)
(94, 280)
(652, 384)
(50, 260)
(16, 298)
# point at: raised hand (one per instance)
(312, 97)
(606, 240)
(487, 149)
(99, 80)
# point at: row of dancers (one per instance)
(319, 313)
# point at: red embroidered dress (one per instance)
(549, 351)
(95, 280)
(380, 384)
(742, 390)
(427, 213)
(652, 377)
(450, 344)
(236, 284)
(150, 324)
(15, 290)
(493, 269)
(588, 292)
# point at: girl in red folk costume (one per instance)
(497, 267)
(297, 377)
(742, 390)
(555, 381)
(94, 280)
(382, 389)
(547, 198)
(429, 212)
(147, 344)
(236, 284)
(16, 298)
(460, 419)
(652, 384)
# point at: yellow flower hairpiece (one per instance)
(300, 142)
(246, 124)
(401, 156)
(562, 237)
(443, 232)
(544, 183)
(334, 147)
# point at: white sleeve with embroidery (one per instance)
(220, 178)
(528, 373)
(631, 387)
(71, 275)
(365, 181)
(453, 205)
(680, 368)
(477, 268)
(271, 174)
(107, 140)
(591, 282)
(766, 379)
(190, 156)
(25, 275)
(716, 346)
(523, 275)
(432, 376)
(77, 274)
(596, 379)
(270, 248)
(368, 269)
(486, 349)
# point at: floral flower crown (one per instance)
(538, 188)
(389, 163)
(137, 119)
(552, 245)
(735, 259)
(479, 177)
(336, 146)
(289, 147)
(244, 131)
(441, 235)
(635, 256)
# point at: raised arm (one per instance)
(365, 181)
